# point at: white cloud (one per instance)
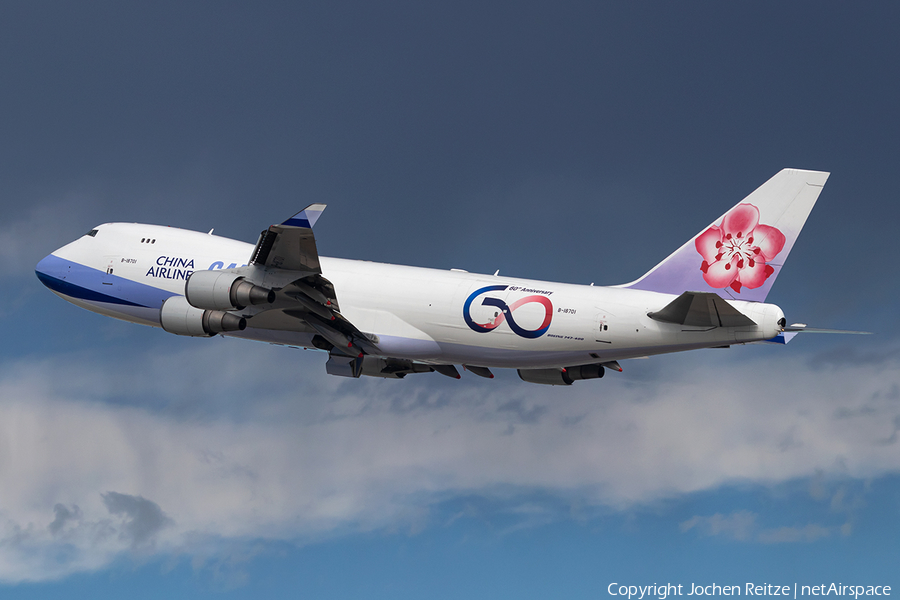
(739, 525)
(24, 241)
(235, 452)
(743, 525)
(807, 533)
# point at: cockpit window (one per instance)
(92, 232)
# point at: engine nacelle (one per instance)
(566, 376)
(220, 290)
(179, 317)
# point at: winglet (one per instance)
(290, 245)
(306, 217)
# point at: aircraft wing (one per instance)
(282, 289)
(286, 256)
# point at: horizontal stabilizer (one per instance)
(701, 309)
(790, 332)
(804, 329)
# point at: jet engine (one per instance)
(221, 290)
(179, 317)
(565, 376)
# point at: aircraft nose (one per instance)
(50, 270)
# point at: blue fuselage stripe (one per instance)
(76, 291)
(85, 283)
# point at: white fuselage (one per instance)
(127, 270)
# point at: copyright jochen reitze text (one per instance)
(664, 590)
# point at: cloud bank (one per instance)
(144, 453)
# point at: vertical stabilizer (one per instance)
(741, 253)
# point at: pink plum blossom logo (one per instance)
(737, 253)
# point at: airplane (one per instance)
(389, 321)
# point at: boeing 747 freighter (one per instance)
(389, 321)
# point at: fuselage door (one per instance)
(602, 325)
(111, 264)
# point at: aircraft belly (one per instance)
(417, 349)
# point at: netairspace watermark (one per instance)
(664, 590)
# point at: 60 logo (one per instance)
(506, 312)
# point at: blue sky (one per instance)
(580, 143)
